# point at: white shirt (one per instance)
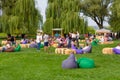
(86, 47)
(45, 38)
(38, 38)
(74, 35)
(118, 47)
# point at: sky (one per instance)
(42, 4)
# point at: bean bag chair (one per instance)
(78, 51)
(107, 50)
(18, 48)
(94, 43)
(116, 51)
(85, 63)
(69, 51)
(70, 62)
(11, 49)
(33, 45)
(88, 50)
(23, 45)
(73, 47)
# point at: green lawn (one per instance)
(29, 64)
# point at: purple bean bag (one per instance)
(70, 62)
(88, 50)
(78, 51)
(116, 51)
(73, 47)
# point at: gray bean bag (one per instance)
(88, 50)
(70, 62)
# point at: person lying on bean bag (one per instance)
(7, 48)
(116, 50)
(87, 49)
(70, 62)
(33, 44)
(11, 49)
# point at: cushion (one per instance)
(116, 51)
(70, 62)
(85, 63)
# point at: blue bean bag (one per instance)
(70, 62)
(116, 51)
(85, 63)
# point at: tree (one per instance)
(63, 14)
(20, 16)
(97, 10)
(114, 20)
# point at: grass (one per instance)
(29, 64)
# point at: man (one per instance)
(38, 40)
(46, 37)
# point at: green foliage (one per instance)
(3, 35)
(90, 29)
(97, 10)
(115, 16)
(20, 16)
(63, 14)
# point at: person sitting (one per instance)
(23, 41)
(87, 48)
(116, 50)
(118, 46)
(33, 44)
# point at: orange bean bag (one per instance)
(69, 51)
(107, 50)
(24, 45)
(107, 42)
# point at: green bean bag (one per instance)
(85, 63)
(95, 42)
(18, 48)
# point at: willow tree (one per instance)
(115, 16)
(20, 16)
(63, 14)
(97, 10)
